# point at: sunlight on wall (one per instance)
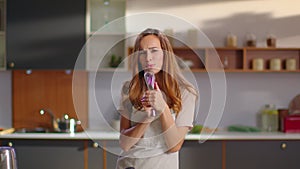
(217, 18)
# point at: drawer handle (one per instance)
(11, 64)
(95, 145)
(10, 144)
(283, 146)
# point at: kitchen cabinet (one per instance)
(47, 34)
(195, 155)
(48, 154)
(103, 154)
(106, 34)
(235, 59)
(2, 34)
(273, 154)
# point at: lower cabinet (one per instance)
(195, 155)
(48, 154)
(262, 154)
(93, 154)
(103, 154)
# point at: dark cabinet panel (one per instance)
(103, 156)
(45, 34)
(207, 155)
(262, 154)
(48, 154)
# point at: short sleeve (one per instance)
(186, 115)
(125, 104)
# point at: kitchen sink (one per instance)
(35, 130)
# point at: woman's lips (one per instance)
(150, 66)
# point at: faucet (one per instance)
(54, 123)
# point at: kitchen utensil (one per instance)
(8, 158)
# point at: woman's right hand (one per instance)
(147, 109)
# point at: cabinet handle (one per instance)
(10, 144)
(11, 64)
(95, 145)
(283, 146)
(28, 71)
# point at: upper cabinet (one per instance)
(46, 34)
(2, 34)
(105, 47)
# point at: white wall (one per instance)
(218, 17)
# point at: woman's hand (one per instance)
(154, 98)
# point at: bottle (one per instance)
(269, 118)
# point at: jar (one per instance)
(290, 64)
(258, 64)
(271, 41)
(251, 40)
(269, 118)
(231, 40)
(275, 64)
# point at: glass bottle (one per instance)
(269, 118)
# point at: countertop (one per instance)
(112, 135)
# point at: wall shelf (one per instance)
(236, 59)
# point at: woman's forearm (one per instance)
(131, 136)
(174, 136)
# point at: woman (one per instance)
(154, 141)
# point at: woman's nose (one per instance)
(148, 56)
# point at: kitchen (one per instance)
(246, 92)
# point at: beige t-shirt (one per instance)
(150, 151)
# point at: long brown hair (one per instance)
(170, 77)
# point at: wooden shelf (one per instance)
(230, 59)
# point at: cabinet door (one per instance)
(47, 89)
(262, 154)
(45, 34)
(48, 154)
(207, 155)
(104, 155)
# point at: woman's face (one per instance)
(151, 54)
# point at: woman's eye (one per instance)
(154, 50)
(142, 53)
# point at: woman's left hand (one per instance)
(156, 99)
